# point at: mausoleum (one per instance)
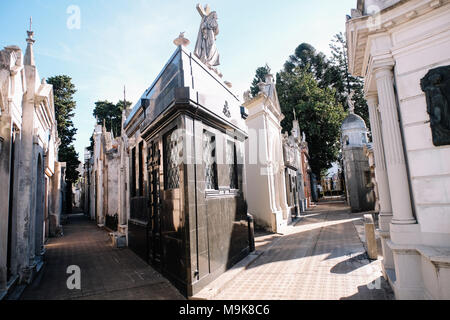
(188, 213)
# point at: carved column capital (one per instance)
(384, 71)
(372, 97)
(383, 65)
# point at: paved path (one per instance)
(320, 258)
(107, 273)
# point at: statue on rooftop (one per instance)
(351, 104)
(205, 48)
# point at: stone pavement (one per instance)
(107, 273)
(321, 257)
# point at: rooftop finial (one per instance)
(29, 55)
(181, 40)
(30, 32)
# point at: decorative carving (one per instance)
(209, 159)
(355, 13)
(247, 96)
(181, 40)
(226, 110)
(436, 85)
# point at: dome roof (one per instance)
(353, 121)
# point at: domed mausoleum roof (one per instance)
(353, 121)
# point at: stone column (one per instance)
(280, 175)
(380, 163)
(395, 158)
(265, 160)
(381, 175)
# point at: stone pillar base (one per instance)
(278, 222)
(28, 273)
(408, 234)
(408, 284)
(422, 272)
(388, 258)
(55, 229)
(123, 228)
(384, 221)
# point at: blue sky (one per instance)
(127, 42)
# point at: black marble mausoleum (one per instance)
(188, 214)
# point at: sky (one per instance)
(103, 45)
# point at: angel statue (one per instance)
(205, 48)
(351, 104)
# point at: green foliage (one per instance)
(341, 79)
(91, 145)
(332, 72)
(319, 115)
(317, 89)
(110, 114)
(260, 76)
(63, 91)
(307, 58)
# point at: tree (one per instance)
(343, 82)
(319, 115)
(307, 58)
(111, 115)
(260, 76)
(63, 91)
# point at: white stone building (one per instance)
(266, 194)
(31, 194)
(396, 46)
(274, 162)
(297, 170)
(107, 181)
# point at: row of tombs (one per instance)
(190, 164)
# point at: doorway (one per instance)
(154, 161)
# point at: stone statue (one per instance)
(247, 96)
(351, 104)
(205, 48)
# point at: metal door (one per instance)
(153, 167)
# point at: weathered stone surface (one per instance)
(371, 242)
(31, 192)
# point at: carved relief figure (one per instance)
(205, 48)
(436, 85)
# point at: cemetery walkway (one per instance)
(107, 273)
(321, 257)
